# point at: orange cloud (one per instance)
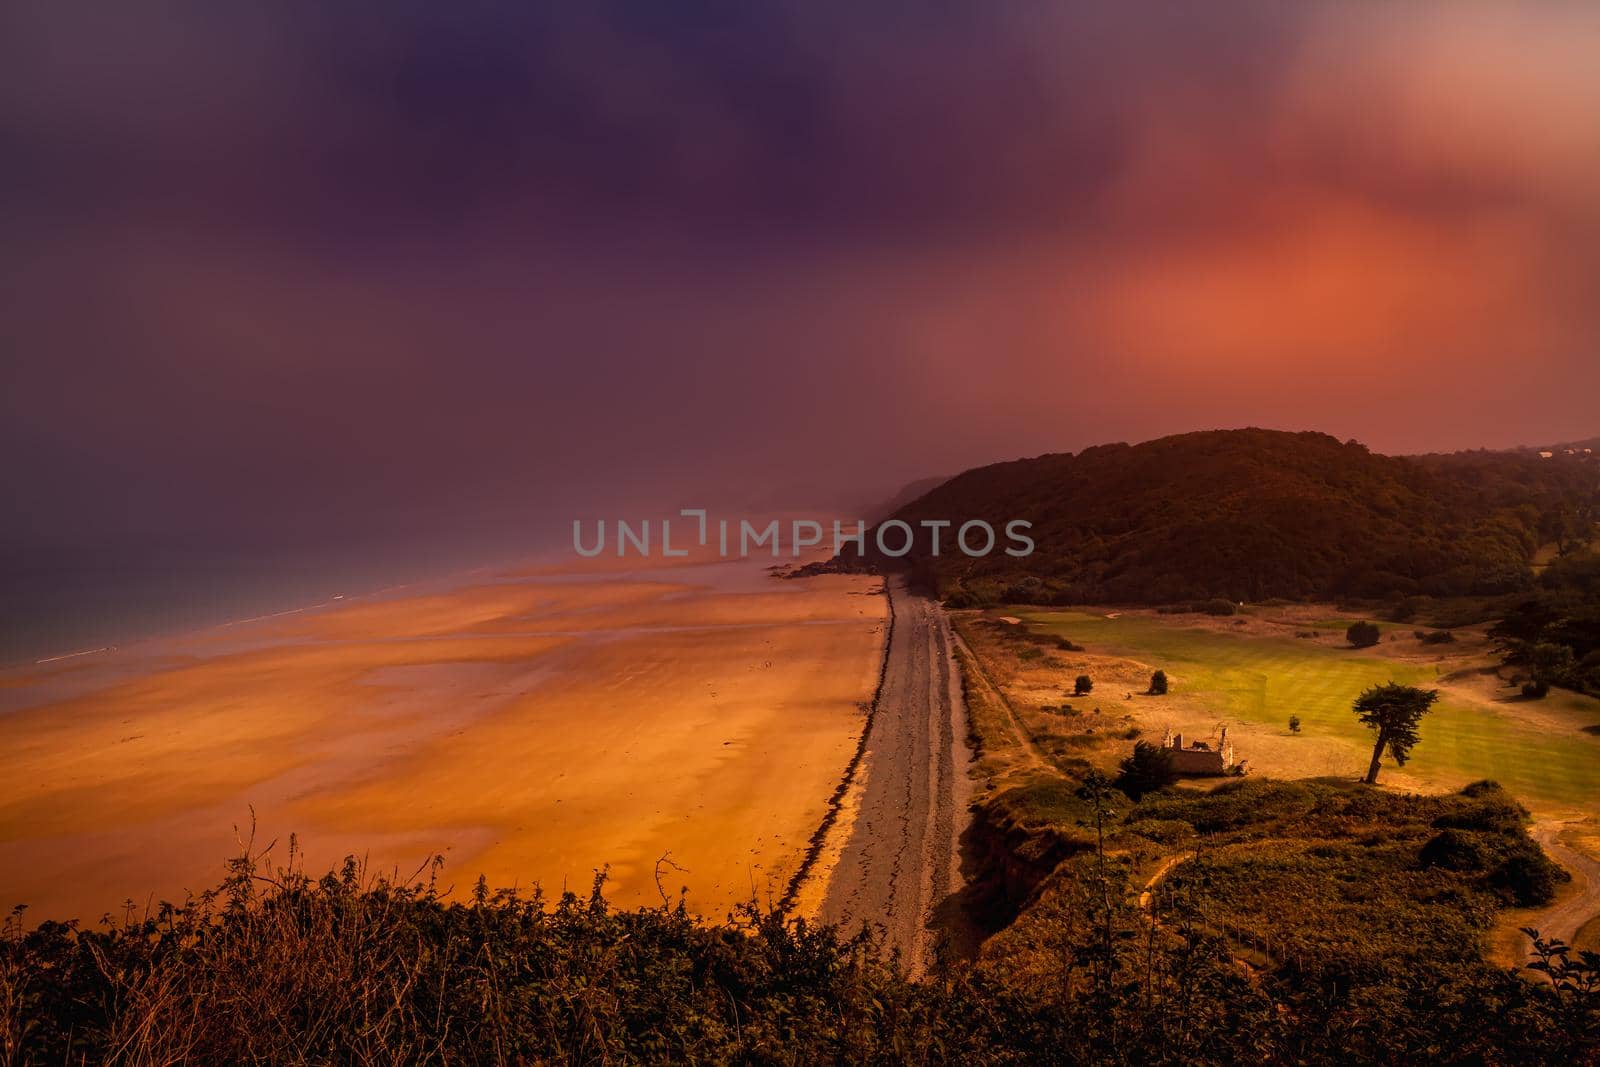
(1323, 277)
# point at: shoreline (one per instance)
(820, 842)
(437, 720)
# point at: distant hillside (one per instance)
(907, 494)
(1249, 514)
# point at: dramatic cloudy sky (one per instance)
(283, 274)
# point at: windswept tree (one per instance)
(1394, 711)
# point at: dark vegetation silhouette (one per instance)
(1365, 924)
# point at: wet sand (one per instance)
(527, 726)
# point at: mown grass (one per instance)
(1266, 679)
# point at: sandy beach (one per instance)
(532, 726)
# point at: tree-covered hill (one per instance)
(1248, 514)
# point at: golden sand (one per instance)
(531, 727)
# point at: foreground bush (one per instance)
(276, 967)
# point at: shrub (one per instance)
(1494, 813)
(1407, 609)
(1552, 664)
(1294, 724)
(1362, 634)
(1158, 683)
(1147, 770)
(1082, 686)
(1528, 878)
(1454, 850)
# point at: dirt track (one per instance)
(1564, 919)
(901, 860)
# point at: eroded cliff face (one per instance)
(1007, 861)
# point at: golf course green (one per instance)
(1552, 762)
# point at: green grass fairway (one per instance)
(1268, 679)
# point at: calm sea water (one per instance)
(69, 606)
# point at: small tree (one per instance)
(1294, 724)
(1362, 634)
(1083, 686)
(1148, 769)
(1395, 712)
(1158, 684)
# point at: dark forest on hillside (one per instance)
(1256, 514)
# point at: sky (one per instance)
(289, 277)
